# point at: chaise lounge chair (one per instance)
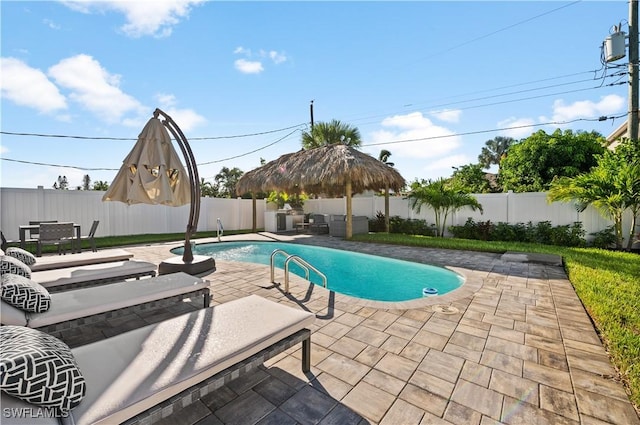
(144, 375)
(57, 280)
(103, 256)
(85, 306)
(60, 279)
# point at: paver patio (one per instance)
(514, 346)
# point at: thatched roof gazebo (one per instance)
(331, 169)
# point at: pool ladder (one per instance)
(299, 261)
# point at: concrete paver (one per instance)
(518, 348)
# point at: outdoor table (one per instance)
(77, 247)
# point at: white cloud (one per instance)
(166, 100)
(51, 24)
(445, 166)
(248, 67)
(29, 87)
(94, 88)
(144, 17)
(277, 57)
(518, 128)
(448, 115)
(426, 139)
(242, 51)
(586, 108)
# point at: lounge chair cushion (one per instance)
(9, 315)
(70, 305)
(39, 369)
(23, 255)
(24, 294)
(49, 262)
(12, 265)
(118, 270)
(134, 371)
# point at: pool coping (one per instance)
(472, 280)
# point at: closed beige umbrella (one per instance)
(332, 169)
(152, 172)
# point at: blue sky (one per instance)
(429, 81)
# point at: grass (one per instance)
(607, 282)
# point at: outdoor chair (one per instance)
(49, 262)
(69, 311)
(91, 236)
(144, 375)
(319, 224)
(59, 234)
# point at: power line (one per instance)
(494, 130)
(9, 133)
(368, 144)
(498, 31)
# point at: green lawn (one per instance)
(607, 282)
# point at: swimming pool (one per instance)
(359, 275)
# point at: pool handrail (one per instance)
(299, 261)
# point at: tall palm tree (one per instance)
(328, 133)
(384, 157)
(443, 198)
(494, 150)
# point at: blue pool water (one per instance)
(359, 275)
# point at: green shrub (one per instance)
(540, 233)
(605, 238)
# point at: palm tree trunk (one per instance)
(386, 209)
(349, 230)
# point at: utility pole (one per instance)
(632, 121)
(311, 111)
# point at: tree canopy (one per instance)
(329, 133)
(494, 151)
(613, 187)
(533, 163)
(444, 197)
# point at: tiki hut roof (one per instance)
(326, 169)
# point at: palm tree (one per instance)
(613, 187)
(443, 198)
(323, 133)
(226, 180)
(494, 150)
(384, 157)
(207, 189)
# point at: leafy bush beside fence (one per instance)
(401, 225)
(542, 232)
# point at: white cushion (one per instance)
(132, 372)
(70, 275)
(9, 315)
(58, 261)
(83, 302)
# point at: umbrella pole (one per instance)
(188, 263)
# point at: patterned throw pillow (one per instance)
(23, 255)
(12, 265)
(39, 369)
(24, 294)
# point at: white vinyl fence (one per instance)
(19, 206)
